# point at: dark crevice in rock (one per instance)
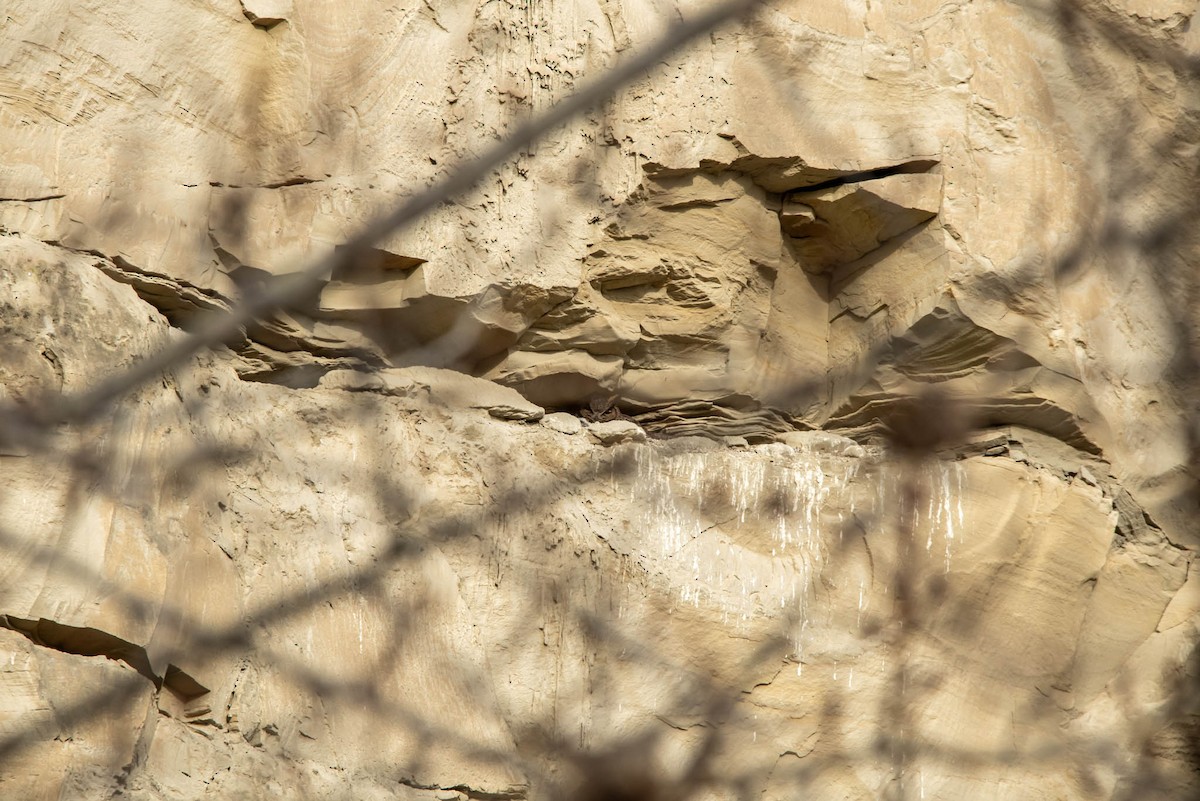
(904, 168)
(298, 180)
(283, 183)
(857, 316)
(484, 795)
(370, 265)
(87, 641)
(38, 199)
(510, 794)
(789, 173)
(780, 174)
(700, 203)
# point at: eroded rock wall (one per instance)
(611, 467)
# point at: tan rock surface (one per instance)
(342, 527)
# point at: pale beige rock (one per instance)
(801, 222)
(445, 387)
(1131, 596)
(389, 383)
(1185, 604)
(563, 423)
(712, 419)
(564, 378)
(614, 432)
(823, 442)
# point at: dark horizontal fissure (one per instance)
(37, 199)
(907, 168)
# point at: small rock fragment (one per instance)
(563, 423)
(356, 381)
(823, 442)
(616, 431)
(456, 389)
(690, 444)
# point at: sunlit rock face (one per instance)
(780, 226)
(510, 581)
(611, 467)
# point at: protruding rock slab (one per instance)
(615, 432)
(446, 387)
(715, 420)
(823, 442)
(566, 378)
(840, 225)
(267, 13)
(563, 423)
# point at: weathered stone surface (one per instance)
(613, 432)
(823, 442)
(563, 423)
(1018, 545)
(701, 235)
(565, 378)
(433, 385)
(1185, 604)
(805, 222)
(714, 419)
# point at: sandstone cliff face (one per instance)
(814, 419)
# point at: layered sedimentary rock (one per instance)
(818, 411)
